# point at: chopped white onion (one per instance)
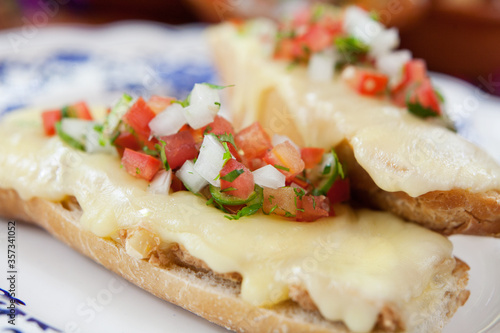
(169, 121)
(76, 128)
(392, 63)
(321, 66)
(96, 143)
(269, 176)
(190, 178)
(358, 23)
(204, 103)
(384, 42)
(117, 112)
(210, 160)
(161, 182)
(277, 139)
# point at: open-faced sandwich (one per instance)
(245, 230)
(331, 78)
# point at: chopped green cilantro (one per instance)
(214, 86)
(226, 137)
(150, 152)
(273, 209)
(420, 111)
(299, 192)
(228, 189)
(351, 49)
(68, 139)
(163, 156)
(245, 211)
(281, 167)
(231, 176)
(227, 154)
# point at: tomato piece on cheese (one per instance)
(126, 140)
(312, 208)
(140, 165)
(316, 38)
(311, 156)
(236, 179)
(286, 159)
(158, 103)
(423, 100)
(219, 126)
(281, 201)
(80, 110)
(254, 141)
(365, 81)
(179, 148)
(414, 72)
(138, 118)
(49, 120)
(340, 191)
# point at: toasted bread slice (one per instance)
(213, 296)
(358, 271)
(396, 161)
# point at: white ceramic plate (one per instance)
(65, 291)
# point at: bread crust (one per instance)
(456, 211)
(202, 292)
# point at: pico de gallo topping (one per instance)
(355, 44)
(186, 145)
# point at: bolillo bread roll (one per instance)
(361, 271)
(396, 161)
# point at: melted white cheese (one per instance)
(398, 150)
(352, 264)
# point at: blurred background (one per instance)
(456, 37)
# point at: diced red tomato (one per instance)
(281, 201)
(286, 49)
(302, 17)
(414, 72)
(49, 120)
(254, 163)
(300, 182)
(126, 140)
(158, 103)
(366, 82)
(243, 184)
(254, 141)
(80, 110)
(333, 26)
(340, 191)
(312, 208)
(219, 126)
(145, 141)
(138, 117)
(140, 165)
(197, 134)
(425, 95)
(179, 148)
(316, 38)
(311, 156)
(177, 184)
(286, 159)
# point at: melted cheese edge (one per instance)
(352, 264)
(400, 152)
